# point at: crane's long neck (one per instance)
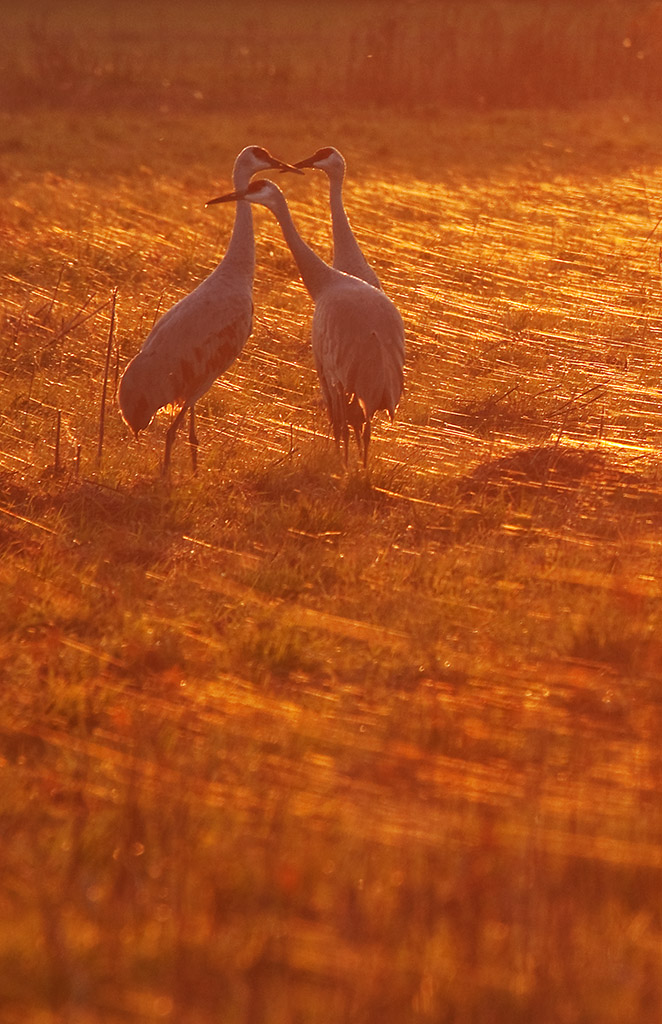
(347, 254)
(240, 253)
(315, 273)
(344, 242)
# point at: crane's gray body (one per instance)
(359, 352)
(189, 347)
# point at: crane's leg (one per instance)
(367, 433)
(356, 416)
(339, 420)
(341, 433)
(193, 439)
(170, 437)
(344, 426)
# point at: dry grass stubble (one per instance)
(306, 744)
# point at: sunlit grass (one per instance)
(290, 740)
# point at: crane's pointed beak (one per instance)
(308, 162)
(280, 166)
(230, 197)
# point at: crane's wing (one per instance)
(186, 350)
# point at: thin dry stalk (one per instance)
(50, 305)
(116, 375)
(58, 431)
(104, 390)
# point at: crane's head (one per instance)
(261, 191)
(134, 397)
(326, 159)
(253, 159)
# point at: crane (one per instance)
(357, 333)
(347, 254)
(196, 340)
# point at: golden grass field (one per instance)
(286, 742)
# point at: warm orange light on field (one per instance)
(289, 740)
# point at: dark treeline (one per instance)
(474, 53)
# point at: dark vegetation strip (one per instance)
(384, 55)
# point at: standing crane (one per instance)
(357, 335)
(192, 344)
(347, 253)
